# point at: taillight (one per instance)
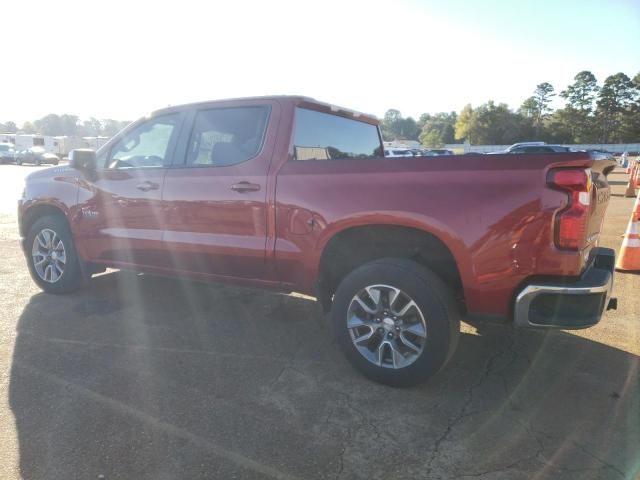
(571, 221)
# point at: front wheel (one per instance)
(51, 256)
(396, 321)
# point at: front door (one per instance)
(122, 217)
(216, 200)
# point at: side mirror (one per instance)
(82, 159)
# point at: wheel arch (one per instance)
(39, 210)
(355, 244)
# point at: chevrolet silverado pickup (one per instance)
(292, 194)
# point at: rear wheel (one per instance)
(396, 321)
(51, 256)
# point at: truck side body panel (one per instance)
(495, 216)
(494, 213)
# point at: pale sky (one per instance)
(122, 59)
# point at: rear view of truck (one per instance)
(574, 302)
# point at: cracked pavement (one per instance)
(151, 378)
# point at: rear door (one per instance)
(216, 193)
(122, 218)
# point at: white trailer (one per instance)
(94, 142)
(64, 144)
(8, 138)
(24, 142)
(60, 145)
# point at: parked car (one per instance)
(291, 194)
(398, 152)
(7, 152)
(37, 156)
(428, 153)
(438, 151)
(534, 147)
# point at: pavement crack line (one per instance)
(451, 424)
(506, 468)
(347, 438)
(534, 456)
(603, 462)
(363, 422)
(528, 426)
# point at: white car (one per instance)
(397, 152)
(533, 147)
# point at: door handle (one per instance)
(146, 186)
(243, 187)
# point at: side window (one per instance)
(227, 136)
(322, 136)
(147, 145)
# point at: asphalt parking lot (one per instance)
(139, 377)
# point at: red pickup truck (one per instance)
(292, 194)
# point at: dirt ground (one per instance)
(139, 377)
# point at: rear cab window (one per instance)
(323, 136)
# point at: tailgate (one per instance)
(599, 198)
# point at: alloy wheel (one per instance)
(386, 326)
(48, 255)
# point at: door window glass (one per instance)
(227, 136)
(147, 145)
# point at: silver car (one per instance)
(37, 156)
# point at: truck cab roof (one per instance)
(296, 100)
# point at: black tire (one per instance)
(18, 162)
(432, 296)
(71, 278)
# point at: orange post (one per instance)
(629, 257)
(631, 186)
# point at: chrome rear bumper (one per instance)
(575, 305)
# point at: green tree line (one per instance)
(65, 124)
(592, 113)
